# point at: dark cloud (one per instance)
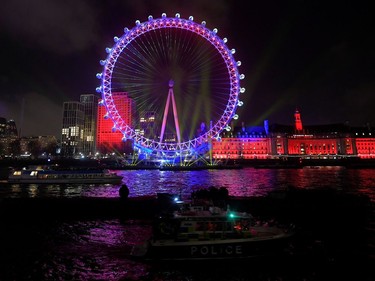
(208, 11)
(314, 55)
(34, 113)
(54, 26)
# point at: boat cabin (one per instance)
(202, 223)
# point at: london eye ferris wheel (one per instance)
(180, 74)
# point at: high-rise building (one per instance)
(72, 134)
(8, 136)
(147, 124)
(3, 126)
(109, 140)
(90, 108)
(8, 127)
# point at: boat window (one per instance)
(34, 173)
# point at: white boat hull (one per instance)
(272, 241)
(66, 181)
(72, 176)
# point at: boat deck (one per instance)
(254, 234)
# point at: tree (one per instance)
(51, 148)
(2, 149)
(35, 148)
(15, 147)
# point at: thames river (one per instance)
(98, 249)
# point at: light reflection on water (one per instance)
(98, 250)
(247, 182)
(72, 250)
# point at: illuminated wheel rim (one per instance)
(128, 43)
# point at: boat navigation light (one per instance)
(231, 215)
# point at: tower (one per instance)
(298, 122)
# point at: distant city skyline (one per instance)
(315, 57)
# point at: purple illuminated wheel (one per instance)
(205, 84)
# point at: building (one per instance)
(9, 143)
(109, 139)
(72, 134)
(313, 141)
(363, 142)
(242, 143)
(332, 141)
(8, 127)
(79, 126)
(90, 108)
(147, 125)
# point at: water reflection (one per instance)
(248, 182)
(98, 249)
(245, 182)
(79, 250)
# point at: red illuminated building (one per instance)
(246, 143)
(333, 141)
(108, 140)
(365, 145)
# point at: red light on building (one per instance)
(306, 145)
(241, 148)
(365, 147)
(109, 141)
(298, 122)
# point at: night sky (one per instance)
(310, 55)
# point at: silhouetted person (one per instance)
(124, 192)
